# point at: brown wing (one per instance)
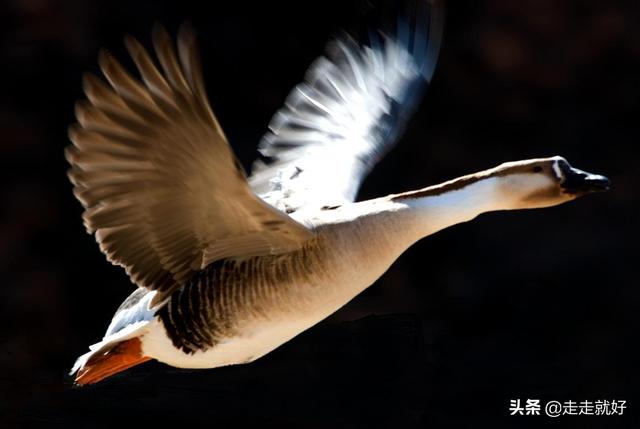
(161, 187)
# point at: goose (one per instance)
(228, 267)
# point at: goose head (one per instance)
(545, 182)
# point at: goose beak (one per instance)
(578, 182)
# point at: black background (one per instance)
(538, 304)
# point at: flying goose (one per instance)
(229, 267)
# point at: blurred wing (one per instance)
(346, 115)
(161, 187)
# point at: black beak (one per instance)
(580, 182)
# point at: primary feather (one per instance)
(349, 111)
(161, 187)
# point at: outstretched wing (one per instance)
(347, 114)
(161, 187)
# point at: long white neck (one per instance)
(426, 212)
(388, 226)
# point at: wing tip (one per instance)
(187, 31)
(160, 36)
(133, 45)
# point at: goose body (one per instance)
(228, 268)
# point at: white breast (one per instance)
(253, 343)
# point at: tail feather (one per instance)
(106, 361)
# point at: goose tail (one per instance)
(107, 360)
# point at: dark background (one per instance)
(537, 304)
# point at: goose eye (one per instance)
(537, 169)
